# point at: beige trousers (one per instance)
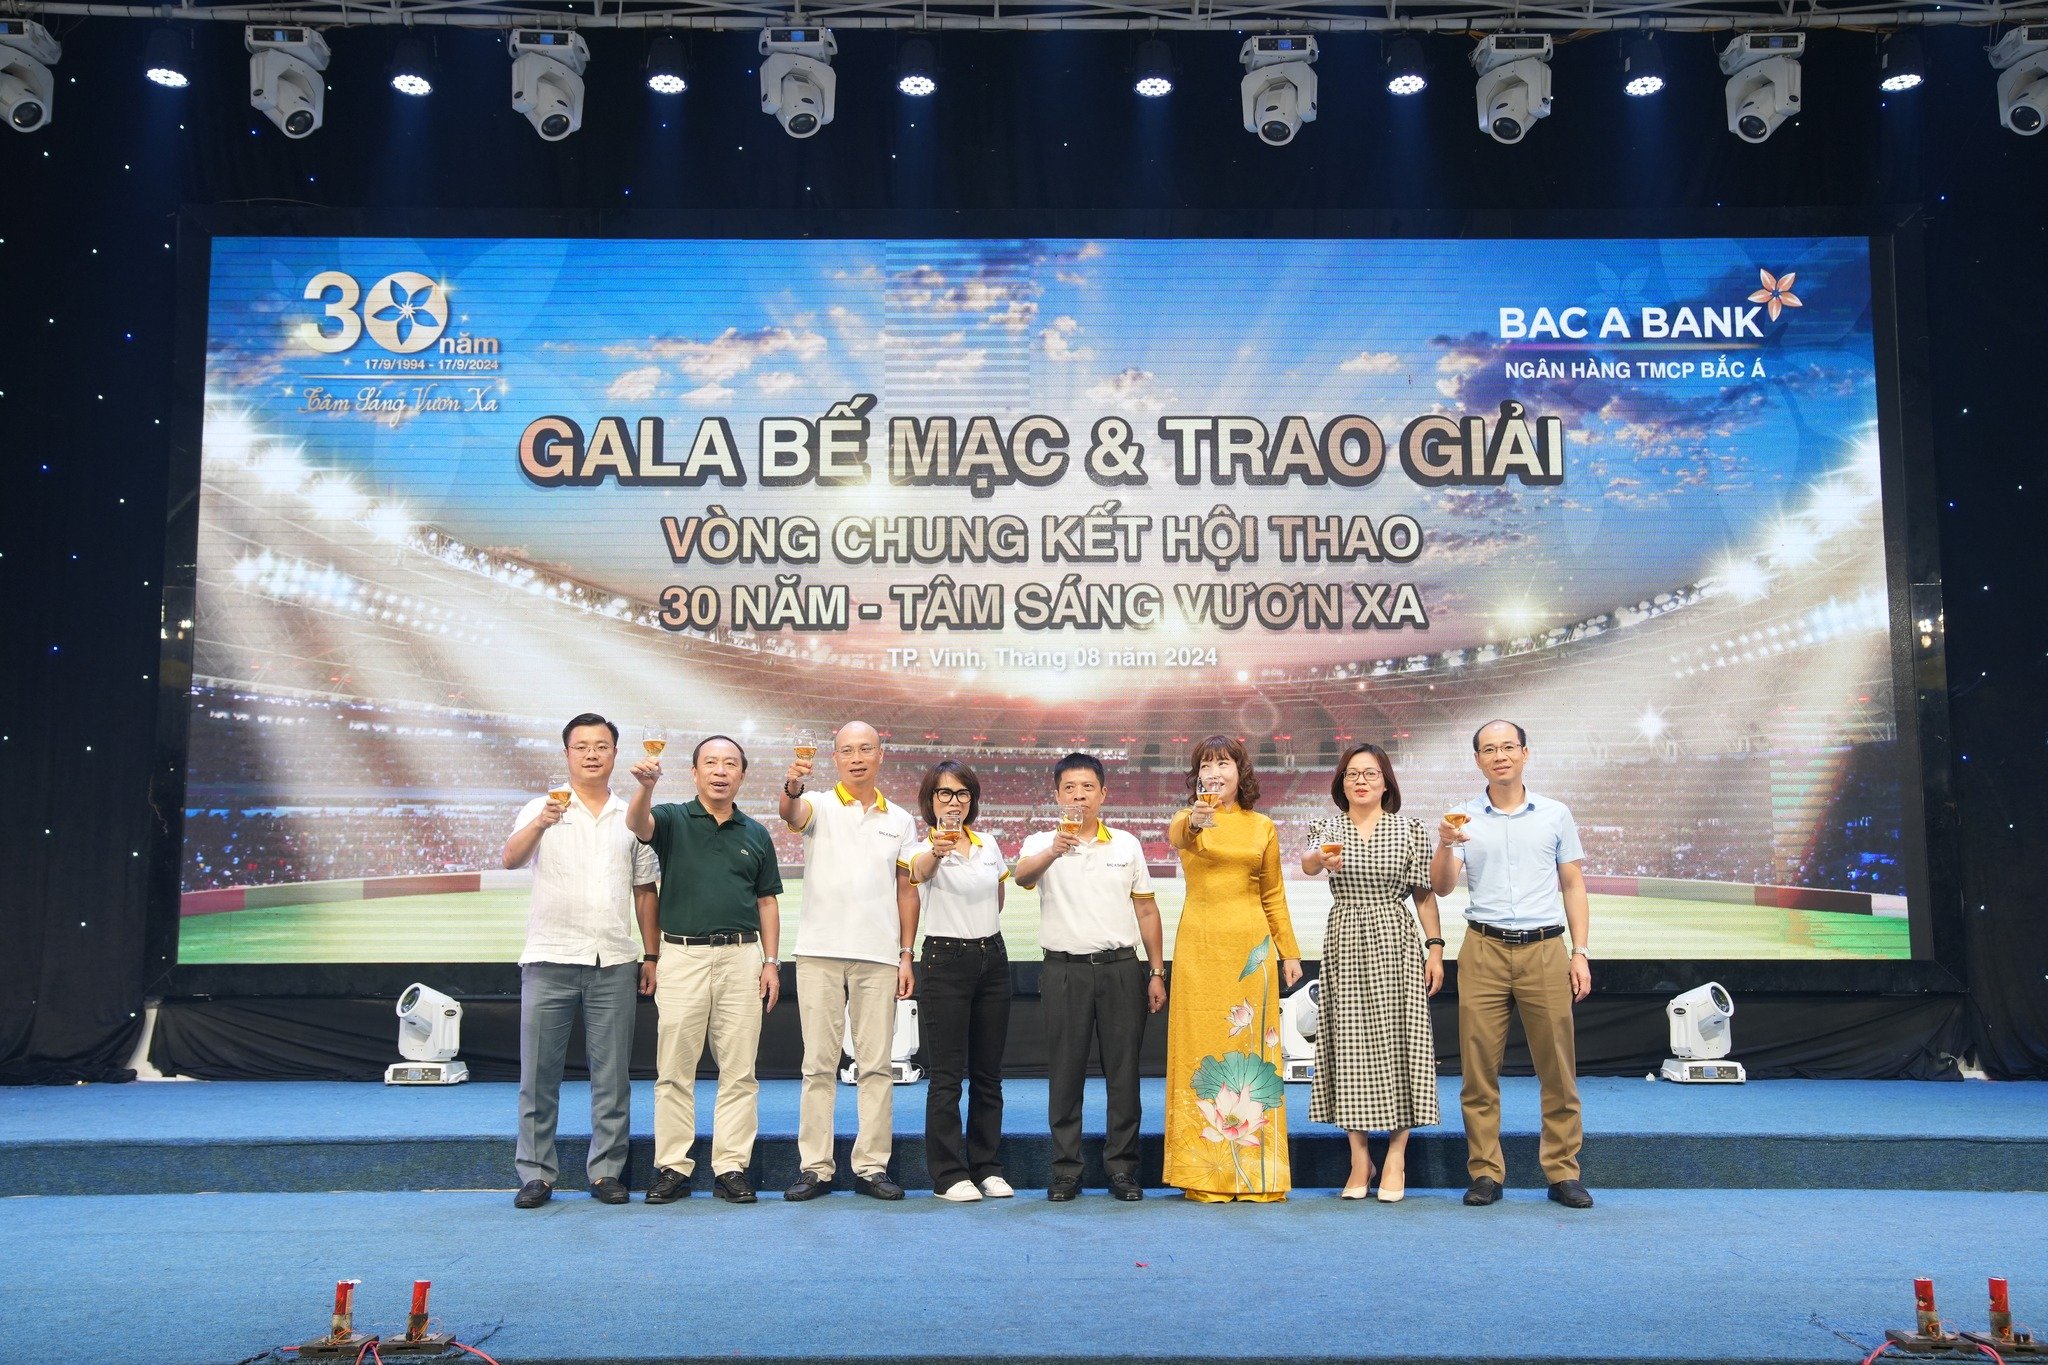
(827, 990)
(701, 993)
(1534, 978)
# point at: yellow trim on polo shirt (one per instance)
(846, 797)
(1101, 831)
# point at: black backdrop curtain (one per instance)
(1031, 134)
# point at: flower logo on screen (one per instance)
(1776, 295)
(406, 312)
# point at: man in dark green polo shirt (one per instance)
(717, 971)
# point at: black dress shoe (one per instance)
(1481, 1192)
(1063, 1188)
(732, 1187)
(1126, 1188)
(1571, 1194)
(533, 1194)
(877, 1187)
(669, 1185)
(809, 1185)
(608, 1191)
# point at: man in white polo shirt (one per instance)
(1096, 905)
(584, 950)
(854, 947)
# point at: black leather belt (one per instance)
(714, 940)
(1515, 935)
(990, 941)
(1107, 955)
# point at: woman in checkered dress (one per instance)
(1375, 1055)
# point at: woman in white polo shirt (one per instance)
(959, 875)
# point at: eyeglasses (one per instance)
(1362, 775)
(1496, 750)
(864, 750)
(952, 794)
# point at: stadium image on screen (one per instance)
(434, 524)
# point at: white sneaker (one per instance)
(995, 1187)
(960, 1192)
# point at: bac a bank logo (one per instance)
(403, 313)
(1776, 295)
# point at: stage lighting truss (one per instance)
(285, 80)
(27, 89)
(547, 79)
(1763, 82)
(2021, 60)
(1514, 83)
(1278, 92)
(797, 82)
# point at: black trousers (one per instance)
(1104, 1006)
(965, 1020)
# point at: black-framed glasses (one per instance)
(952, 794)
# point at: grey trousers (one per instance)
(550, 993)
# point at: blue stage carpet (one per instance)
(1647, 1276)
(312, 1136)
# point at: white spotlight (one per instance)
(902, 1047)
(27, 89)
(1279, 86)
(1763, 82)
(285, 62)
(1700, 1037)
(2021, 59)
(547, 79)
(797, 83)
(429, 1036)
(1514, 83)
(1300, 1013)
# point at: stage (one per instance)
(1779, 1221)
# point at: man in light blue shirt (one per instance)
(1520, 855)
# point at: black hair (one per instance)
(729, 740)
(1521, 735)
(1073, 761)
(589, 718)
(967, 779)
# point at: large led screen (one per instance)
(1008, 499)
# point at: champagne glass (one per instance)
(1210, 792)
(1332, 845)
(1456, 819)
(950, 825)
(653, 741)
(805, 743)
(559, 790)
(1069, 817)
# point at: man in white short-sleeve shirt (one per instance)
(1097, 909)
(853, 953)
(584, 951)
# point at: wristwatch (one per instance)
(1432, 943)
(906, 952)
(1159, 973)
(1581, 952)
(771, 962)
(650, 957)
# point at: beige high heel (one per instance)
(1358, 1191)
(1394, 1182)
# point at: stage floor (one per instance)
(1648, 1275)
(253, 1136)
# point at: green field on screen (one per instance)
(488, 926)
